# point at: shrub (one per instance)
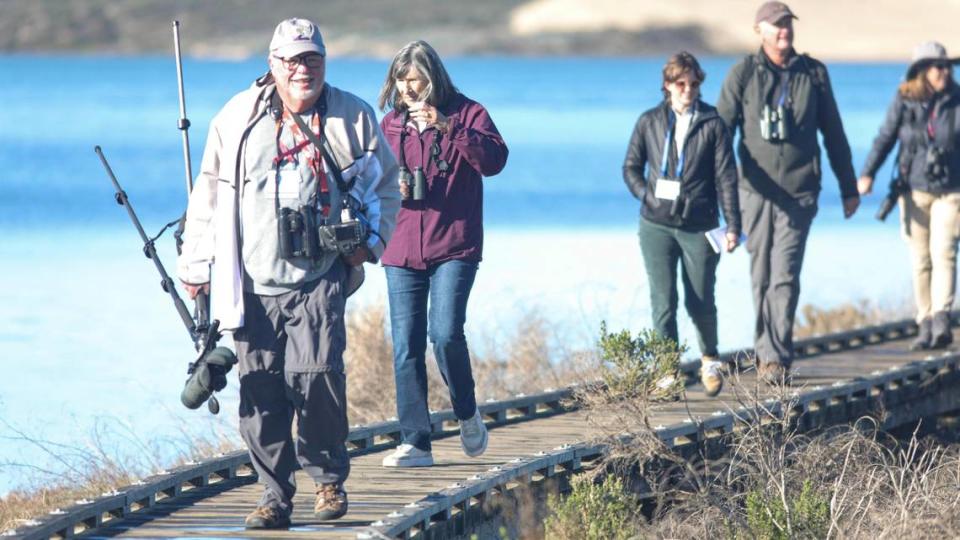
(633, 366)
(593, 511)
(809, 515)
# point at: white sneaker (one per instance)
(408, 455)
(473, 435)
(710, 375)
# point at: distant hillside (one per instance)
(835, 29)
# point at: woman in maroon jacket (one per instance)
(445, 144)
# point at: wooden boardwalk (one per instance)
(217, 511)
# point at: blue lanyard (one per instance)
(671, 121)
(784, 88)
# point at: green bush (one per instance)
(809, 514)
(632, 366)
(592, 511)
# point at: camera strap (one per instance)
(307, 134)
(401, 153)
(323, 146)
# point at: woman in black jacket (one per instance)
(925, 119)
(680, 164)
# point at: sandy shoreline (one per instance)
(877, 30)
(833, 30)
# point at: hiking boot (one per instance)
(774, 373)
(924, 336)
(331, 502)
(710, 375)
(267, 517)
(473, 435)
(940, 330)
(408, 455)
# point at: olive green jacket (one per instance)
(789, 169)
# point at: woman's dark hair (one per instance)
(679, 65)
(420, 56)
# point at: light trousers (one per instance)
(931, 227)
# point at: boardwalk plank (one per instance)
(374, 491)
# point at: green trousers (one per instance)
(663, 247)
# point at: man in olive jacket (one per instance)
(780, 99)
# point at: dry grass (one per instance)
(774, 482)
(97, 467)
(814, 321)
(529, 360)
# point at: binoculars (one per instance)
(298, 233)
(300, 236)
(775, 123)
(417, 183)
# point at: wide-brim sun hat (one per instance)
(926, 53)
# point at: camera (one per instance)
(298, 233)
(935, 163)
(775, 123)
(300, 236)
(897, 188)
(342, 238)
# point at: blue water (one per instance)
(87, 334)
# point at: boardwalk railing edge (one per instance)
(87, 515)
(846, 400)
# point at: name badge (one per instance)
(289, 185)
(667, 190)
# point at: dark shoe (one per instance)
(940, 329)
(774, 373)
(267, 517)
(331, 502)
(924, 336)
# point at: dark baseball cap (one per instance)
(772, 12)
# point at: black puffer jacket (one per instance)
(907, 122)
(709, 174)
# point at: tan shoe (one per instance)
(267, 517)
(710, 375)
(331, 502)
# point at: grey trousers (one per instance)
(291, 368)
(777, 234)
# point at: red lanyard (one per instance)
(314, 158)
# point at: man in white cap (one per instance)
(296, 191)
(780, 100)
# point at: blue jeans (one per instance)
(447, 287)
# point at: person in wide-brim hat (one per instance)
(926, 54)
(924, 118)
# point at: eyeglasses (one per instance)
(683, 84)
(942, 66)
(311, 61)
